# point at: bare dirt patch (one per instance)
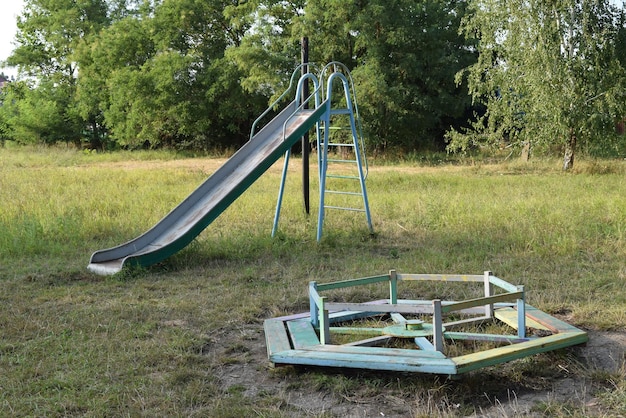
(240, 360)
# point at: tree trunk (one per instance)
(95, 141)
(570, 148)
(525, 151)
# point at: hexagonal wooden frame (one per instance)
(304, 339)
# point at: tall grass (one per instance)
(160, 341)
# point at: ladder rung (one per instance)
(344, 193)
(339, 144)
(342, 208)
(337, 128)
(330, 160)
(337, 176)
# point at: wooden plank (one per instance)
(457, 306)
(442, 277)
(302, 334)
(375, 351)
(424, 344)
(276, 338)
(366, 361)
(511, 339)
(437, 326)
(509, 317)
(386, 308)
(551, 323)
(352, 282)
(502, 284)
(292, 317)
(357, 330)
(370, 342)
(339, 315)
(466, 321)
(398, 318)
(393, 287)
(513, 352)
(324, 323)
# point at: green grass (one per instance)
(162, 341)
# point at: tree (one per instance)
(549, 73)
(49, 32)
(408, 53)
(37, 115)
(403, 55)
(267, 51)
(131, 73)
(158, 78)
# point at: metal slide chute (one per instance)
(209, 200)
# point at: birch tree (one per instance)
(550, 74)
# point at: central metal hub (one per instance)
(406, 330)
(414, 324)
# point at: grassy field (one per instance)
(185, 337)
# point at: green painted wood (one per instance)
(442, 277)
(502, 284)
(370, 342)
(383, 308)
(430, 358)
(276, 337)
(516, 351)
(344, 316)
(352, 282)
(302, 334)
(412, 363)
(393, 287)
(475, 336)
(324, 322)
(470, 303)
(509, 317)
(551, 323)
(467, 321)
(357, 330)
(376, 351)
(424, 344)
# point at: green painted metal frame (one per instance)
(331, 73)
(305, 339)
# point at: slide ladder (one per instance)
(341, 150)
(341, 157)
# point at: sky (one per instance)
(8, 14)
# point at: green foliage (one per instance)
(408, 54)
(129, 74)
(49, 32)
(193, 74)
(38, 115)
(266, 53)
(160, 80)
(548, 73)
(403, 54)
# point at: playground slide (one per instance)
(210, 199)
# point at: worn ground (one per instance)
(485, 393)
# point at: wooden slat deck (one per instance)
(516, 351)
(276, 337)
(302, 334)
(412, 361)
(509, 317)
